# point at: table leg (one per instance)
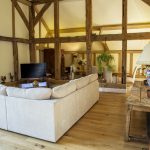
(128, 121)
(148, 128)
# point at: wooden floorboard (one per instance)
(102, 128)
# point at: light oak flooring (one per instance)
(102, 128)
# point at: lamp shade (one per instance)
(144, 58)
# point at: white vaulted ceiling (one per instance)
(72, 12)
(105, 12)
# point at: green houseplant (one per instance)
(105, 66)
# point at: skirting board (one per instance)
(112, 90)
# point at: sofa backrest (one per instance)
(3, 90)
(32, 93)
(47, 93)
(63, 90)
(84, 81)
(93, 77)
(81, 82)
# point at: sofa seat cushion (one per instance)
(3, 90)
(93, 77)
(81, 82)
(63, 90)
(33, 93)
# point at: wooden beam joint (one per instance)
(21, 13)
(41, 13)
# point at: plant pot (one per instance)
(148, 93)
(107, 75)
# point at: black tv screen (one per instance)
(33, 70)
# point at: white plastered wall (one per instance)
(6, 51)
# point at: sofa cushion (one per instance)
(93, 77)
(3, 90)
(33, 93)
(63, 90)
(81, 82)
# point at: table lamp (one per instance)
(144, 59)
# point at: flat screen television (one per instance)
(33, 70)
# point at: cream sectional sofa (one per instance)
(46, 113)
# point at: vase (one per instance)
(107, 75)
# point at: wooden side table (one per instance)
(137, 101)
(130, 108)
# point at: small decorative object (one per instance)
(145, 83)
(35, 84)
(147, 74)
(3, 78)
(11, 77)
(78, 63)
(148, 93)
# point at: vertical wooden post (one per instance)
(128, 122)
(131, 63)
(31, 34)
(119, 61)
(89, 35)
(124, 42)
(15, 47)
(57, 42)
(40, 29)
(94, 59)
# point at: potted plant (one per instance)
(105, 66)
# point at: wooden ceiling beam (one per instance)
(119, 26)
(107, 27)
(147, 2)
(105, 37)
(138, 36)
(25, 2)
(11, 39)
(41, 13)
(119, 37)
(38, 2)
(21, 13)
